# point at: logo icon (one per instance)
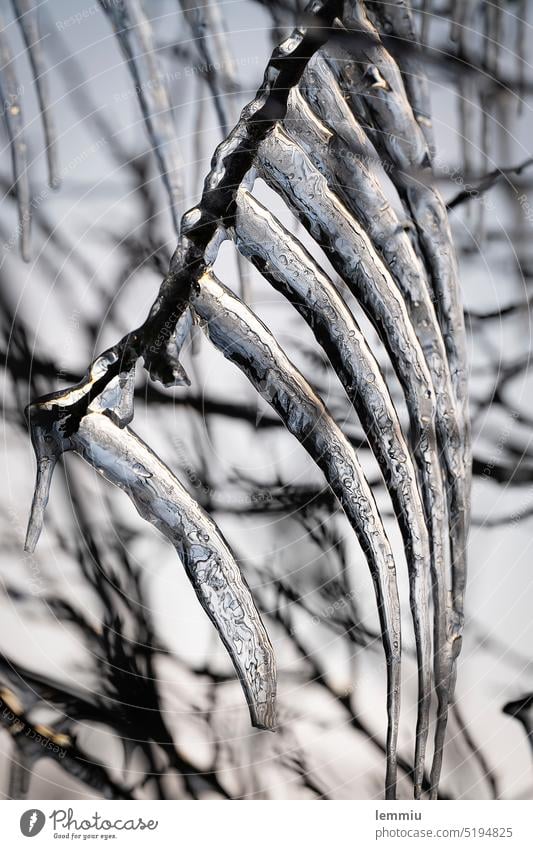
(32, 822)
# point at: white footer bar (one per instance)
(268, 825)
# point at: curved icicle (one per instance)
(126, 461)
(134, 34)
(285, 166)
(375, 93)
(244, 339)
(293, 272)
(342, 152)
(10, 91)
(41, 493)
(27, 18)
(343, 163)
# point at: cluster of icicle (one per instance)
(334, 100)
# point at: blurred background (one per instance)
(102, 641)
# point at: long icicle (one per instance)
(104, 440)
(196, 17)
(134, 34)
(375, 93)
(292, 271)
(10, 91)
(287, 168)
(343, 153)
(27, 18)
(123, 459)
(244, 339)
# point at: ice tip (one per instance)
(263, 715)
(45, 470)
(25, 252)
(33, 533)
(54, 181)
(47, 447)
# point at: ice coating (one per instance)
(292, 270)
(286, 167)
(306, 143)
(343, 153)
(126, 461)
(388, 118)
(244, 339)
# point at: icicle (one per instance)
(134, 34)
(399, 139)
(292, 270)
(196, 18)
(244, 340)
(289, 170)
(59, 424)
(54, 417)
(343, 154)
(10, 91)
(184, 331)
(167, 368)
(45, 470)
(124, 460)
(373, 84)
(27, 18)
(346, 168)
(286, 167)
